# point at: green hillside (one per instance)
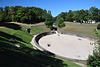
(24, 56)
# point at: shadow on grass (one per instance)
(3, 34)
(10, 25)
(11, 56)
(26, 57)
(18, 58)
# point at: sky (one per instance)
(55, 6)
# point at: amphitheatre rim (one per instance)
(39, 36)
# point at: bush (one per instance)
(98, 26)
(51, 27)
(94, 60)
(98, 42)
(61, 25)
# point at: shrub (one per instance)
(94, 60)
(98, 42)
(98, 26)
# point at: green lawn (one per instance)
(70, 63)
(39, 29)
(87, 29)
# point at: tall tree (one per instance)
(31, 16)
(70, 16)
(86, 16)
(60, 22)
(94, 13)
(82, 15)
(1, 17)
(19, 14)
(77, 15)
(11, 12)
(1, 8)
(49, 20)
(63, 15)
(44, 13)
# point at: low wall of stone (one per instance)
(67, 33)
(37, 43)
(81, 35)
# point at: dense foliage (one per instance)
(94, 60)
(22, 14)
(98, 26)
(60, 22)
(82, 15)
(49, 20)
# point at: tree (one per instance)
(63, 15)
(19, 14)
(6, 8)
(98, 26)
(1, 18)
(70, 16)
(1, 9)
(49, 20)
(91, 13)
(82, 15)
(7, 17)
(11, 12)
(31, 16)
(60, 22)
(23, 19)
(44, 13)
(86, 16)
(77, 15)
(94, 14)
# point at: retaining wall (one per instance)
(81, 35)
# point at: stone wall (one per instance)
(81, 35)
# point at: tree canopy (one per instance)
(35, 15)
(22, 14)
(81, 15)
(49, 20)
(60, 22)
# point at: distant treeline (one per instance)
(22, 14)
(81, 15)
(36, 15)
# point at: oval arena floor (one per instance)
(67, 46)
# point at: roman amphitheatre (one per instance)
(66, 45)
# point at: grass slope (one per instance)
(25, 55)
(11, 56)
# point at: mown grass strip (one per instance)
(4, 38)
(7, 42)
(28, 45)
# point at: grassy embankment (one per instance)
(25, 55)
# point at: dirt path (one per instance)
(83, 65)
(23, 24)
